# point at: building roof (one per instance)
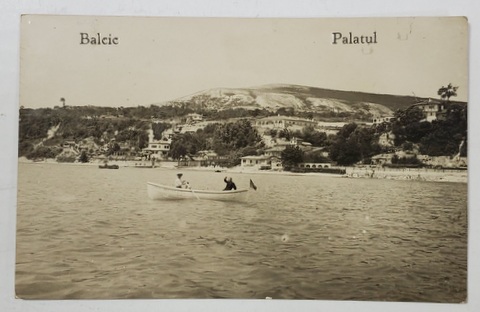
(287, 118)
(275, 149)
(383, 156)
(261, 157)
(428, 101)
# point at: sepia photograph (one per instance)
(243, 158)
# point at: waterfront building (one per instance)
(261, 162)
(157, 148)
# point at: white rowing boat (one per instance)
(158, 191)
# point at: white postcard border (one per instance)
(9, 86)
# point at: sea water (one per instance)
(87, 233)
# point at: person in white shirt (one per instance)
(179, 182)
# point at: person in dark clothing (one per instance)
(230, 185)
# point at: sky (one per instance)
(162, 59)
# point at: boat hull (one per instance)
(157, 191)
(108, 167)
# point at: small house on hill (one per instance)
(381, 119)
(431, 108)
(194, 117)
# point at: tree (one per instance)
(44, 152)
(365, 141)
(353, 143)
(158, 128)
(113, 148)
(285, 111)
(406, 124)
(347, 130)
(234, 135)
(409, 115)
(449, 136)
(24, 148)
(178, 149)
(315, 157)
(291, 156)
(447, 92)
(142, 140)
(285, 133)
(187, 144)
(272, 132)
(309, 134)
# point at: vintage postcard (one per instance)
(243, 158)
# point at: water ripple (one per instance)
(89, 233)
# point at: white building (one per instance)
(282, 122)
(431, 108)
(261, 162)
(194, 117)
(157, 149)
(381, 119)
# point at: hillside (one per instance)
(93, 131)
(300, 98)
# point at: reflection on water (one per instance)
(90, 233)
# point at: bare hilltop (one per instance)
(299, 98)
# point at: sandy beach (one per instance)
(417, 174)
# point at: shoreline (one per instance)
(407, 174)
(412, 174)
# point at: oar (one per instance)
(193, 191)
(252, 185)
(195, 194)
